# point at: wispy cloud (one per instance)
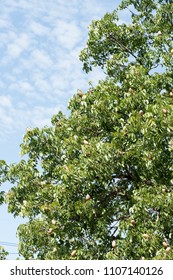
(39, 43)
(40, 59)
(38, 29)
(5, 101)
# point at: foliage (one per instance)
(3, 172)
(3, 254)
(99, 183)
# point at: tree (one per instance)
(99, 183)
(3, 171)
(3, 253)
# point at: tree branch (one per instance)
(114, 40)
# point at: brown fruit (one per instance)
(168, 250)
(133, 222)
(85, 142)
(150, 157)
(164, 111)
(73, 253)
(46, 209)
(66, 167)
(113, 244)
(159, 33)
(165, 245)
(53, 222)
(83, 97)
(80, 93)
(25, 203)
(88, 197)
(145, 236)
(141, 113)
(50, 230)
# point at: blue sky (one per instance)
(40, 42)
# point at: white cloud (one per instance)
(68, 34)
(23, 41)
(43, 86)
(7, 36)
(14, 50)
(4, 23)
(38, 116)
(16, 44)
(41, 116)
(41, 59)
(40, 42)
(25, 86)
(5, 101)
(58, 83)
(6, 120)
(38, 29)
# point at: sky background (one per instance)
(40, 42)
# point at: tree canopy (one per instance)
(98, 184)
(3, 253)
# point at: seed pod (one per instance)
(85, 142)
(159, 33)
(133, 222)
(50, 230)
(73, 253)
(46, 209)
(141, 113)
(164, 111)
(145, 236)
(114, 244)
(150, 157)
(165, 245)
(168, 250)
(66, 167)
(88, 197)
(83, 97)
(80, 93)
(54, 250)
(53, 222)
